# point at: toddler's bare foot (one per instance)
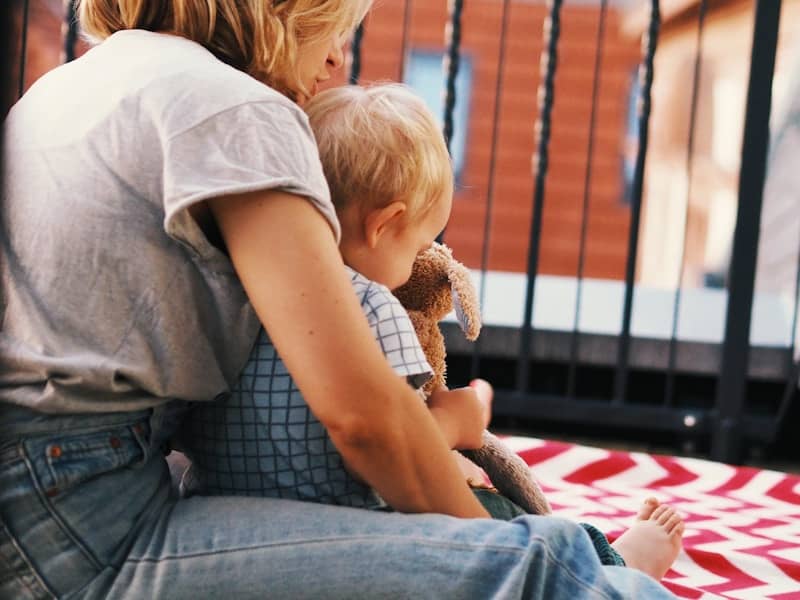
(653, 542)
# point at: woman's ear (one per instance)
(381, 220)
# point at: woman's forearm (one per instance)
(424, 476)
(286, 257)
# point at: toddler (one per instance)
(391, 182)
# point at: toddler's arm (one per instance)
(287, 260)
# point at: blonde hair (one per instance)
(380, 144)
(259, 37)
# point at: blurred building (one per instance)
(693, 161)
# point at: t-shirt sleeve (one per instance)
(395, 333)
(254, 146)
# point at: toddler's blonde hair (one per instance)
(259, 37)
(379, 144)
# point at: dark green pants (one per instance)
(500, 507)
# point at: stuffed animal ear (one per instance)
(465, 299)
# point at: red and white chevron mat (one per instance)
(742, 535)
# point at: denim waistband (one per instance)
(18, 420)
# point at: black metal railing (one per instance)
(613, 398)
(729, 424)
(724, 422)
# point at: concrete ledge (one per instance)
(699, 358)
(696, 318)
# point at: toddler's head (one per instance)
(389, 174)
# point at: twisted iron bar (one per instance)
(451, 64)
(546, 96)
(407, 10)
(23, 54)
(355, 55)
(792, 366)
(587, 184)
(793, 380)
(69, 31)
(669, 386)
(646, 84)
(487, 222)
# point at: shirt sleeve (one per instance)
(395, 333)
(254, 146)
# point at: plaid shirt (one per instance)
(264, 440)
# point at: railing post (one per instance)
(8, 86)
(726, 441)
(490, 186)
(355, 55)
(546, 98)
(646, 72)
(69, 30)
(23, 51)
(452, 61)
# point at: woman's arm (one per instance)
(288, 262)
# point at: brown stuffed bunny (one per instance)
(438, 283)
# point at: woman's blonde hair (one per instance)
(379, 144)
(259, 37)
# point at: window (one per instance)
(424, 73)
(631, 141)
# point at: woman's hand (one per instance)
(462, 414)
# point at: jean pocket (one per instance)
(64, 461)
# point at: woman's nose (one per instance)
(336, 54)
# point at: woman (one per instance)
(162, 195)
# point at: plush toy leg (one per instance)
(509, 474)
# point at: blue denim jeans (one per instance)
(87, 511)
(500, 507)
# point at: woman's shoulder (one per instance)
(179, 82)
(221, 91)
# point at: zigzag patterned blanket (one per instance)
(742, 535)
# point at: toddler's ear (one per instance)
(380, 220)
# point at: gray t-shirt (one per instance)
(112, 298)
(264, 440)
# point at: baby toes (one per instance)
(673, 523)
(647, 508)
(659, 513)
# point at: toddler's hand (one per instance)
(485, 393)
(462, 415)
